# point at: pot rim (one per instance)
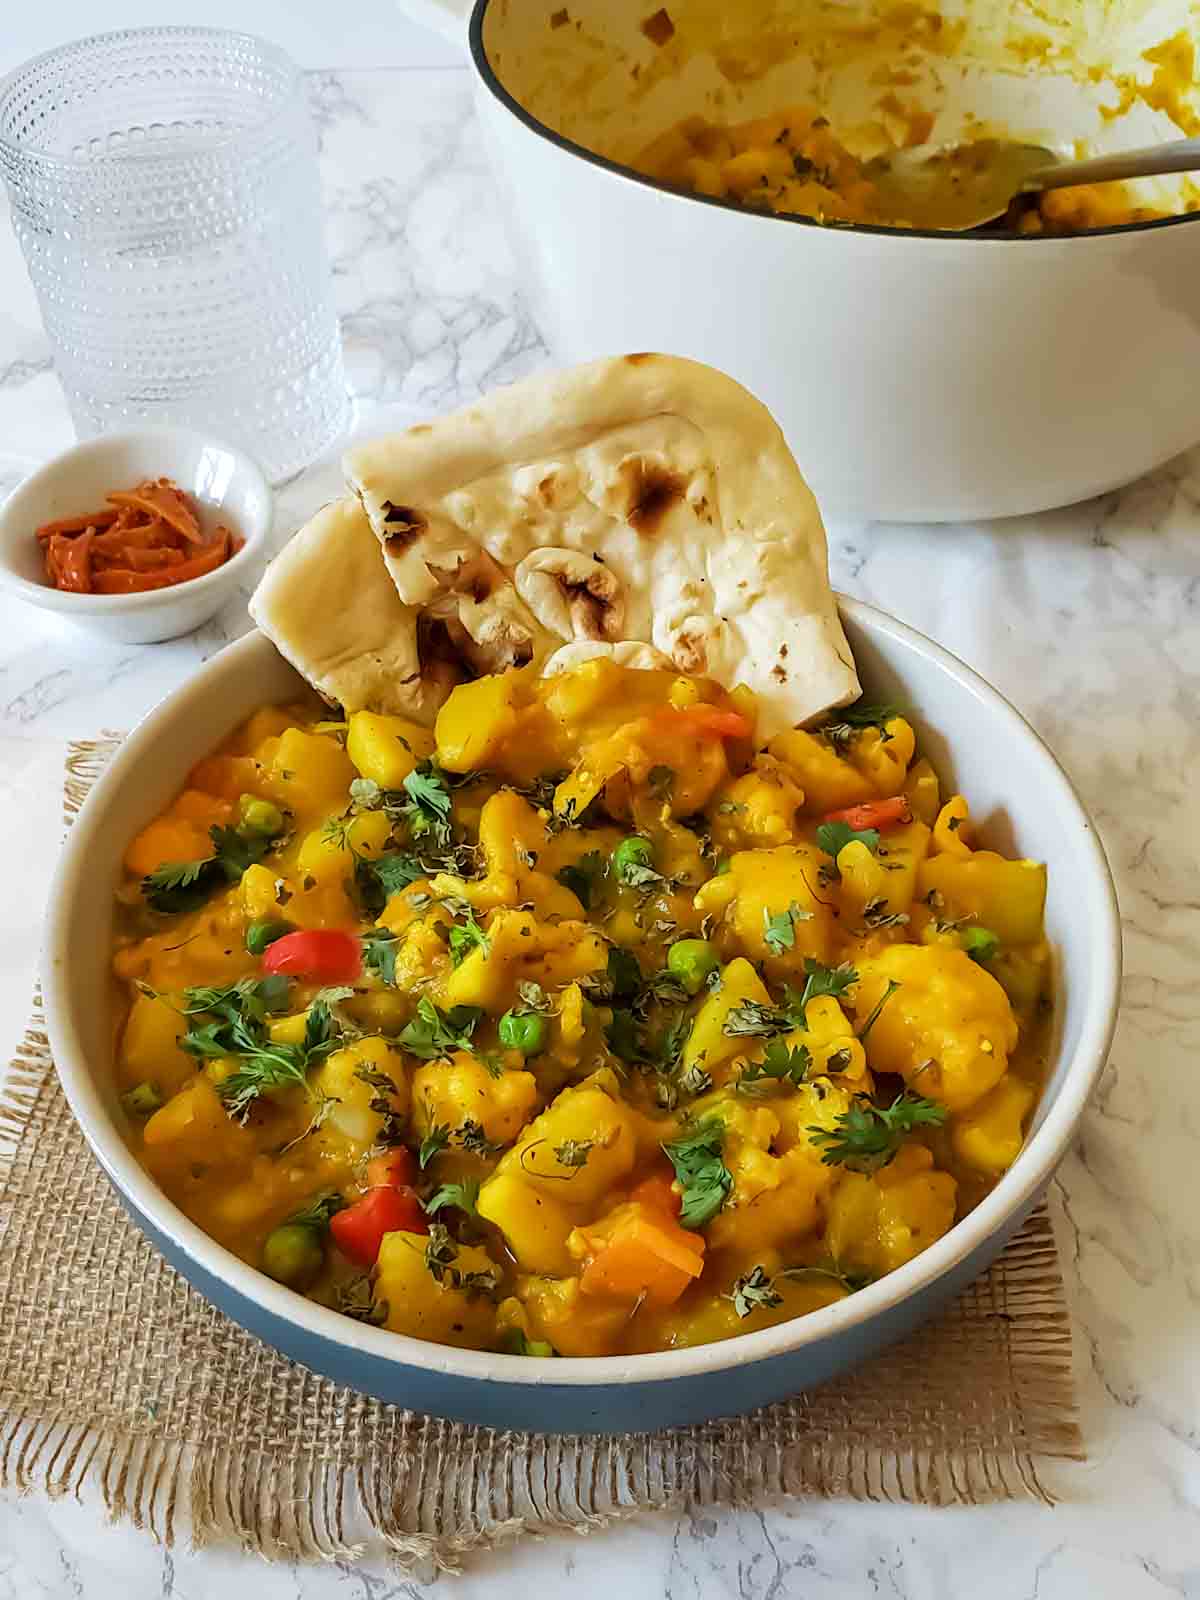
(1016, 1190)
(487, 76)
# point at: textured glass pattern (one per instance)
(165, 193)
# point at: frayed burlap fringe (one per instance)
(116, 1378)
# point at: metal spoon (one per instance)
(954, 188)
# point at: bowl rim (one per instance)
(102, 605)
(1015, 1190)
(617, 169)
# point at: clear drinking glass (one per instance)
(165, 192)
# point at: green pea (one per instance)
(981, 944)
(261, 934)
(142, 1101)
(631, 853)
(524, 1031)
(293, 1254)
(260, 816)
(692, 961)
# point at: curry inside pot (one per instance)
(777, 105)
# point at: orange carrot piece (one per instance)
(69, 525)
(73, 561)
(658, 1193)
(646, 1257)
(162, 498)
(123, 580)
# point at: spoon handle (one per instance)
(1177, 155)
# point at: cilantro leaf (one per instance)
(463, 1196)
(752, 1018)
(584, 877)
(466, 936)
(779, 931)
(237, 1026)
(434, 1142)
(428, 806)
(867, 1137)
(317, 1212)
(379, 954)
(754, 1291)
(821, 980)
(179, 886)
(441, 1255)
(378, 879)
(833, 837)
(780, 1065)
(433, 1032)
(849, 723)
(574, 1152)
(473, 1138)
(704, 1179)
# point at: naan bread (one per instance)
(642, 505)
(329, 607)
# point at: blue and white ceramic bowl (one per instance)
(973, 736)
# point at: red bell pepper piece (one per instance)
(873, 814)
(326, 955)
(359, 1229)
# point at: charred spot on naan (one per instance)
(651, 489)
(479, 577)
(575, 595)
(404, 524)
(444, 652)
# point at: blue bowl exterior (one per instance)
(593, 1409)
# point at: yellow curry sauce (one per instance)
(626, 1042)
(792, 162)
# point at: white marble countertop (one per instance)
(1089, 619)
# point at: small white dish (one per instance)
(227, 486)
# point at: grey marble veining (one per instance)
(1088, 619)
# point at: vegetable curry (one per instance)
(581, 1024)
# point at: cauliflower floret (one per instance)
(759, 808)
(946, 1028)
(460, 1090)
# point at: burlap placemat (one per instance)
(116, 1375)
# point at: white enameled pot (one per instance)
(917, 376)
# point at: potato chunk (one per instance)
(708, 1045)
(363, 1079)
(150, 1050)
(520, 948)
(1009, 897)
(763, 885)
(426, 1306)
(387, 749)
(989, 1136)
